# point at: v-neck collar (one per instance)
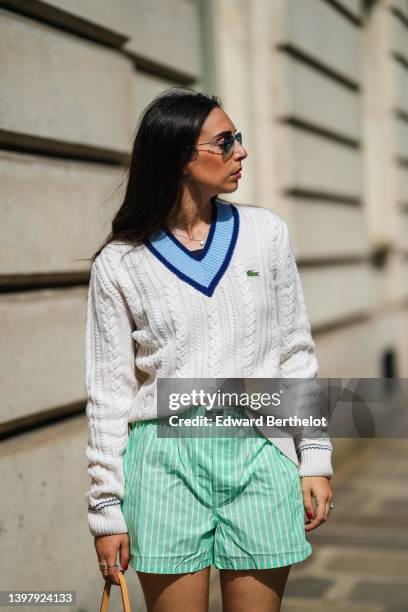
(204, 270)
(199, 256)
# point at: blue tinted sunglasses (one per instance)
(227, 144)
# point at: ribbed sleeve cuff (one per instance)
(315, 460)
(107, 521)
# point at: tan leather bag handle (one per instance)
(123, 591)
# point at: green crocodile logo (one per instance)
(252, 273)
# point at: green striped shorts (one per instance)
(190, 502)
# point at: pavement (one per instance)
(360, 554)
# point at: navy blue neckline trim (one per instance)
(228, 256)
(198, 256)
(212, 286)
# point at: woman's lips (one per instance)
(236, 175)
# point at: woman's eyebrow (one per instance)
(224, 133)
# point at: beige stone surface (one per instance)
(243, 89)
(315, 605)
(400, 129)
(323, 229)
(310, 162)
(400, 5)
(352, 6)
(336, 108)
(54, 212)
(401, 183)
(59, 86)
(165, 31)
(325, 37)
(399, 85)
(335, 292)
(374, 563)
(145, 87)
(403, 344)
(348, 352)
(392, 281)
(42, 361)
(398, 35)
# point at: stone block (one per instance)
(56, 85)
(309, 162)
(310, 96)
(163, 31)
(317, 30)
(54, 212)
(42, 362)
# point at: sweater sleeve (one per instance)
(111, 386)
(297, 351)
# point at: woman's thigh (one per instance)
(172, 592)
(253, 590)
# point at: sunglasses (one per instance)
(227, 145)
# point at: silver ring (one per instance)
(331, 505)
(103, 565)
(109, 566)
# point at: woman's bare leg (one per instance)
(253, 590)
(173, 592)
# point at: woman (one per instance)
(190, 286)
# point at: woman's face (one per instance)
(209, 170)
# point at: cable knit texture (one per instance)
(158, 310)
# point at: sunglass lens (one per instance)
(228, 144)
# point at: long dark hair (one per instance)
(166, 133)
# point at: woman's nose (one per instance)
(240, 152)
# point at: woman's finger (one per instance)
(103, 566)
(307, 502)
(321, 508)
(113, 570)
(124, 554)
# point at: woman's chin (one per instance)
(231, 185)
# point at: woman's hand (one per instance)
(107, 548)
(318, 487)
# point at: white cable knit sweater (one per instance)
(158, 310)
